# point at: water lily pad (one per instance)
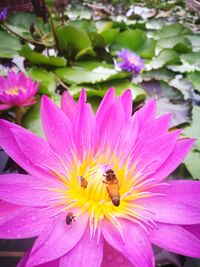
(40, 59)
(136, 41)
(32, 120)
(74, 41)
(194, 129)
(170, 100)
(89, 73)
(178, 43)
(165, 57)
(192, 164)
(9, 45)
(194, 78)
(47, 80)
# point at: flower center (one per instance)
(88, 189)
(15, 90)
(133, 60)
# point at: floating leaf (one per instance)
(47, 80)
(32, 120)
(194, 129)
(109, 35)
(169, 100)
(90, 72)
(192, 164)
(175, 29)
(194, 78)
(9, 45)
(178, 43)
(160, 75)
(192, 59)
(136, 41)
(74, 41)
(20, 23)
(195, 41)
(39, 59)
(166, 56)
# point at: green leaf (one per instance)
(39, 59)
(178, 43)
(194, 129)
(194, 78)
(165, 57)
(32, 120)
(20, 23)
(109, 35)
(192, 164)
(74, 41)
(195, 41)
(89, 72)
(120, 86)
(159, 75)
(9, 45)
(47, 80)
(130, 39)
(175, 29)
(192, 59)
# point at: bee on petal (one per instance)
(70, 218)
(83, 182)
(112, 186)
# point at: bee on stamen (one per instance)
(112, 186)
(70, 218)
(83, 182)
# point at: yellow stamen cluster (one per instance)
(94, 199)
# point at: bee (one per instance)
(112, 186)
(84, 183)
(70, 218)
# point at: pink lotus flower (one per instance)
(17, 90)
(65, 201)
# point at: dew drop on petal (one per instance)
(120, 259)
(109, 257)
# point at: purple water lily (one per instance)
(17, 90)
(3, 14)
(129, 61)
(86, 162)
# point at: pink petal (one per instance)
(110, 128)
(147, 113)
(178, 205)
(68, 106)
(57, 239)
(57, 127)
(127, 138)
(87, 253)
(106, 103)
(136, 247)
(7, 211)
(5, 106)
(84, 127)
(194, 229)
(24, 223)
(37, 150)
(179, 152)
(150, 154)
(126, 99)
(28, 190)
(113, 258)
(25, 258)
(9, 144)
(155, 129)
(176, 239)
